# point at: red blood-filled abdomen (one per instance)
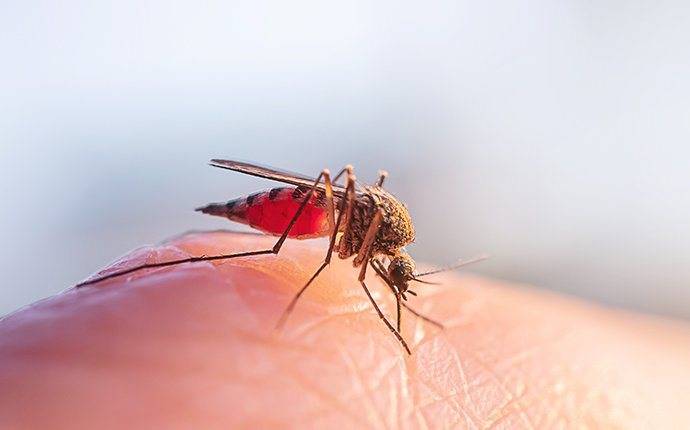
(271, 211)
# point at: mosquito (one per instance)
(364, 221)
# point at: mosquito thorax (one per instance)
(397, 229)
(401, 270)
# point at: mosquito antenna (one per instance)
(451, 267)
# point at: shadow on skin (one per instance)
(193, 346)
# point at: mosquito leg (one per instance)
(380, 270)
(423, 317)
(397, 310)
(350, 196)
(382, 177)
(365, 250)
(349, 169)
(274, 250)
(170, 263)
(344, 203)
(378, 267)
(364, 255)
(385, 321)
(330, 204)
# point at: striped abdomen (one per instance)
(271, 211)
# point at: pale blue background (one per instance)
(554, 135)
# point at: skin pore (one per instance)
(193, 346)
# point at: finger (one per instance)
(192, 346)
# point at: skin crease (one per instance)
(193, 346)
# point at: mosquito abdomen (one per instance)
(270, 211)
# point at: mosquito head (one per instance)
(401, 271)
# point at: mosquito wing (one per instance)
(273, 174)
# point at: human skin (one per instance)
(194, 346)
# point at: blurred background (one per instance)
(554, 136)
